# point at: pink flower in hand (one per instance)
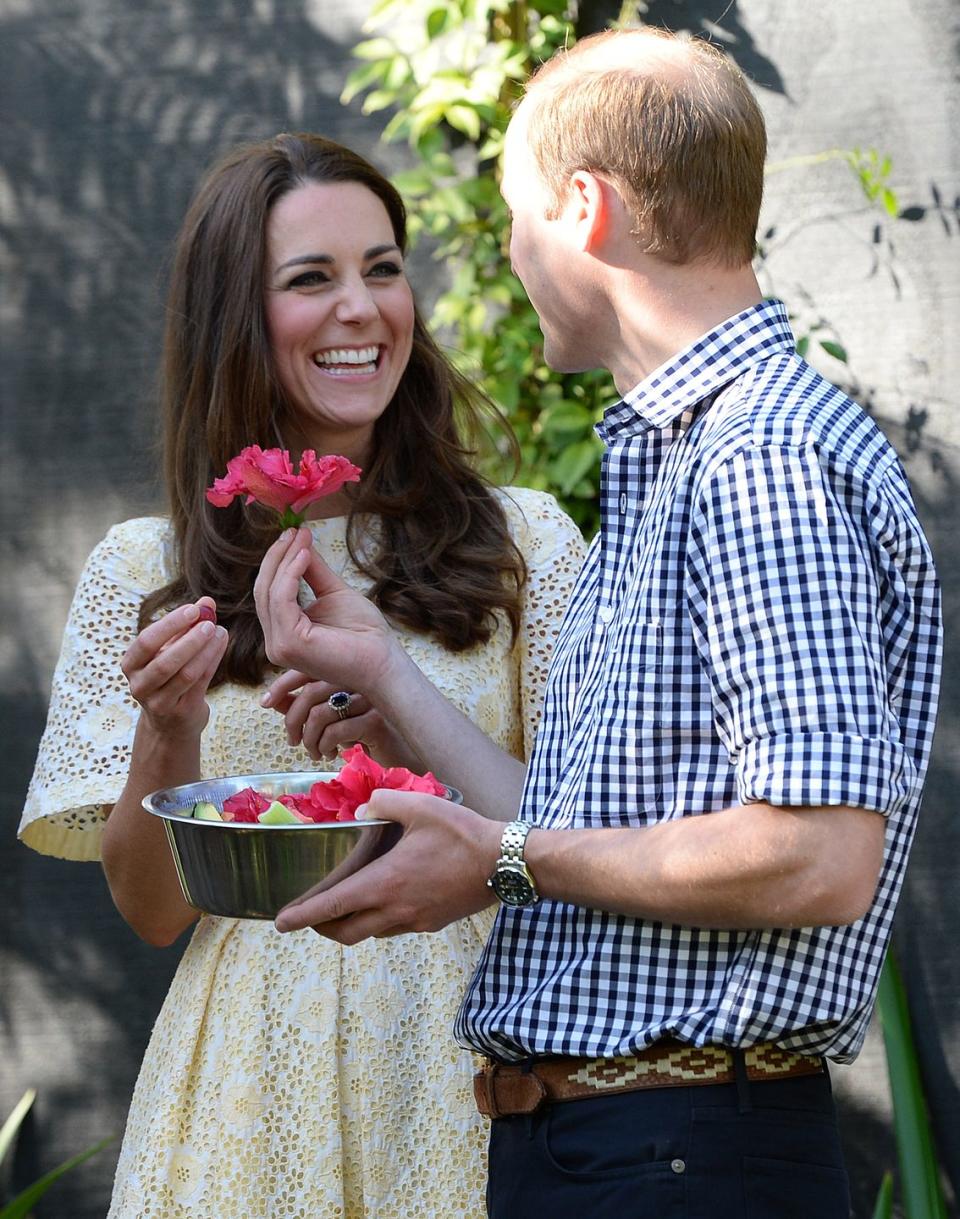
(267, 477)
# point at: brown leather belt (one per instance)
(506, 1090)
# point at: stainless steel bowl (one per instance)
(252, 871)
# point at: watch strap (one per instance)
(512, 841)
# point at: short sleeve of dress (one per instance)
(553, 548)
(84, 753)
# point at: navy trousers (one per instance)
(757, 1150)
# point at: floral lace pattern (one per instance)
(288, 1077)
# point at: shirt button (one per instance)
(623, 501)
(605, 613)
(678, 1166)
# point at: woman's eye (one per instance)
(309, 279)
(386, 270)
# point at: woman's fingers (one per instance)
(275, 567)
(320, 578)
(278, 607)
(310, 704)
(158, 635)
(323, 733)
(272, 559)
(183, 663)
(278, 694)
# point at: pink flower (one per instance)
(292, 802)
(267, 477)
(335, 799)
(338, 799)
(303, 808)
(246, 805)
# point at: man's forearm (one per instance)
(744, 868)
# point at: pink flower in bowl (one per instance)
(267, 477)
(338, 799)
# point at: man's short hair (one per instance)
(678, 132)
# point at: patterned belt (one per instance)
(505, 1090)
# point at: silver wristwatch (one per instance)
(511, 880)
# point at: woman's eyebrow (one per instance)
(302, 259)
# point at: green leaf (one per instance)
(436, 22)
(379, 99)
(412, 183)
(396, 128)
(21, 1206)
(8, 1132)
(802, 345)
(423, 120)
(920, 1179)
(891, 204)
(397, 74)
(573, 463)
(834, 349)
(884, 1204)
(566, 419)
(362, 78)
(375, 48)
(465, 119)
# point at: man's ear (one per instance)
(589, 207)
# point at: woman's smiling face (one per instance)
(339, 313)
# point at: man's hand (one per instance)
(437, 873)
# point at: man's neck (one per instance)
(666, 308)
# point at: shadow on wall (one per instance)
(117, 109)
(722, 21)
(925, 933)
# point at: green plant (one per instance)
(451, 70)
(20, 1206)
(919, 1176)
(884, 1204)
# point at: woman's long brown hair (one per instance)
(442, 559)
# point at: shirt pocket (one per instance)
(627, 741)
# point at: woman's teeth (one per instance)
(347, 361)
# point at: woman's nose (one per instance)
(356, 305)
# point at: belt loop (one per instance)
(489, 1084)
(744, 1103)
(525, 1069)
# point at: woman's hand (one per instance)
(340, 636)
(169, 667)
(312, 722)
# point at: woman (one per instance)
(286, 1076)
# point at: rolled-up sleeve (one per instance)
(791, 572)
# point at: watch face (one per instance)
(511, 883)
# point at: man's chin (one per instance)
(564, 361)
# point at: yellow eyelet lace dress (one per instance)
(288, 1077)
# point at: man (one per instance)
(698, 888)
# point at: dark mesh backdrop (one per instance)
(111, 110)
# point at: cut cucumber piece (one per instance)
(277, 814)
(203, 810)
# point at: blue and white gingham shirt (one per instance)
(757, 620)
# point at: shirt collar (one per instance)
(699, 370)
